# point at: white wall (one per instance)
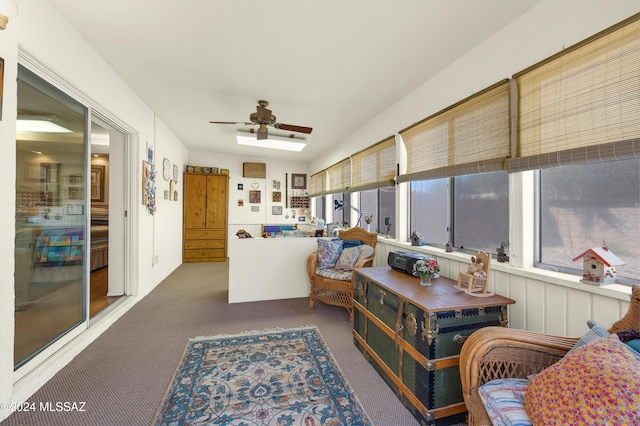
(166, 230)
(241, 217)
(48, 37)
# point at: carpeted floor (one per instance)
(122, 376)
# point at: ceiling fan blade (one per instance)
(292, 128)
(231, 122)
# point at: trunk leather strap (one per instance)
(399, 326)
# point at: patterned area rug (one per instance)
(276, 377)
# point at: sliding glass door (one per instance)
(51, 216)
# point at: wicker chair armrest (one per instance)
(367, 261)
(312, 264)
(497, 352)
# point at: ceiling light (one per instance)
(41, 124)
(8, 10)
(273, 142)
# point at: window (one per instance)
(369, 207)
(481, 211)
(589, 206)
(387, 208)
(381, 204)
(429, 212)
(341, 217)
(319, 211)
(471, 212)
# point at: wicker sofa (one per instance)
(496, 352)
(333, 286)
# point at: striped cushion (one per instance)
(504, 401)
(334, 274)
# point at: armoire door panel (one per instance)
(195, 202)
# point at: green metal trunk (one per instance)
(416, 349)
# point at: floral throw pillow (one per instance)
(348, 258)
(328, 253)
(598, 383)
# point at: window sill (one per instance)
(615, 291)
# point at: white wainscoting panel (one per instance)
(555, 308)
(579, 310)
(556, 305)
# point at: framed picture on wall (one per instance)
(150, 152)
(97, 183)
(298, 181)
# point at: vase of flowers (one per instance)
(426, 269)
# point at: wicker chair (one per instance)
(337, 292)
(497, 352)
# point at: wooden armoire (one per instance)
(204, 231)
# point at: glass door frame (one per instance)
(38, 68)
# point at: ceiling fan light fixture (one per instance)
(272, 142)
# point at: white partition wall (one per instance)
(269, 268)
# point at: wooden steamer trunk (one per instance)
(412, 335)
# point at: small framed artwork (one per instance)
(254, 197)
(150, 151)
(301, 218)
(97, 183)
(33, 172)
(240, 203)
(166, 169)
(176, 171)
(298, 181)
(166, 194)
(240, 187)
(75, 193)
(276, 210)
(277, 197)
(255, 208)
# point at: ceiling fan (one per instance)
(263, 117)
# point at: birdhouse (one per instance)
(417, 239)
(598, 265)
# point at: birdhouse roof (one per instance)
(602, 254)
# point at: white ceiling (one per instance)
(331, 65)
